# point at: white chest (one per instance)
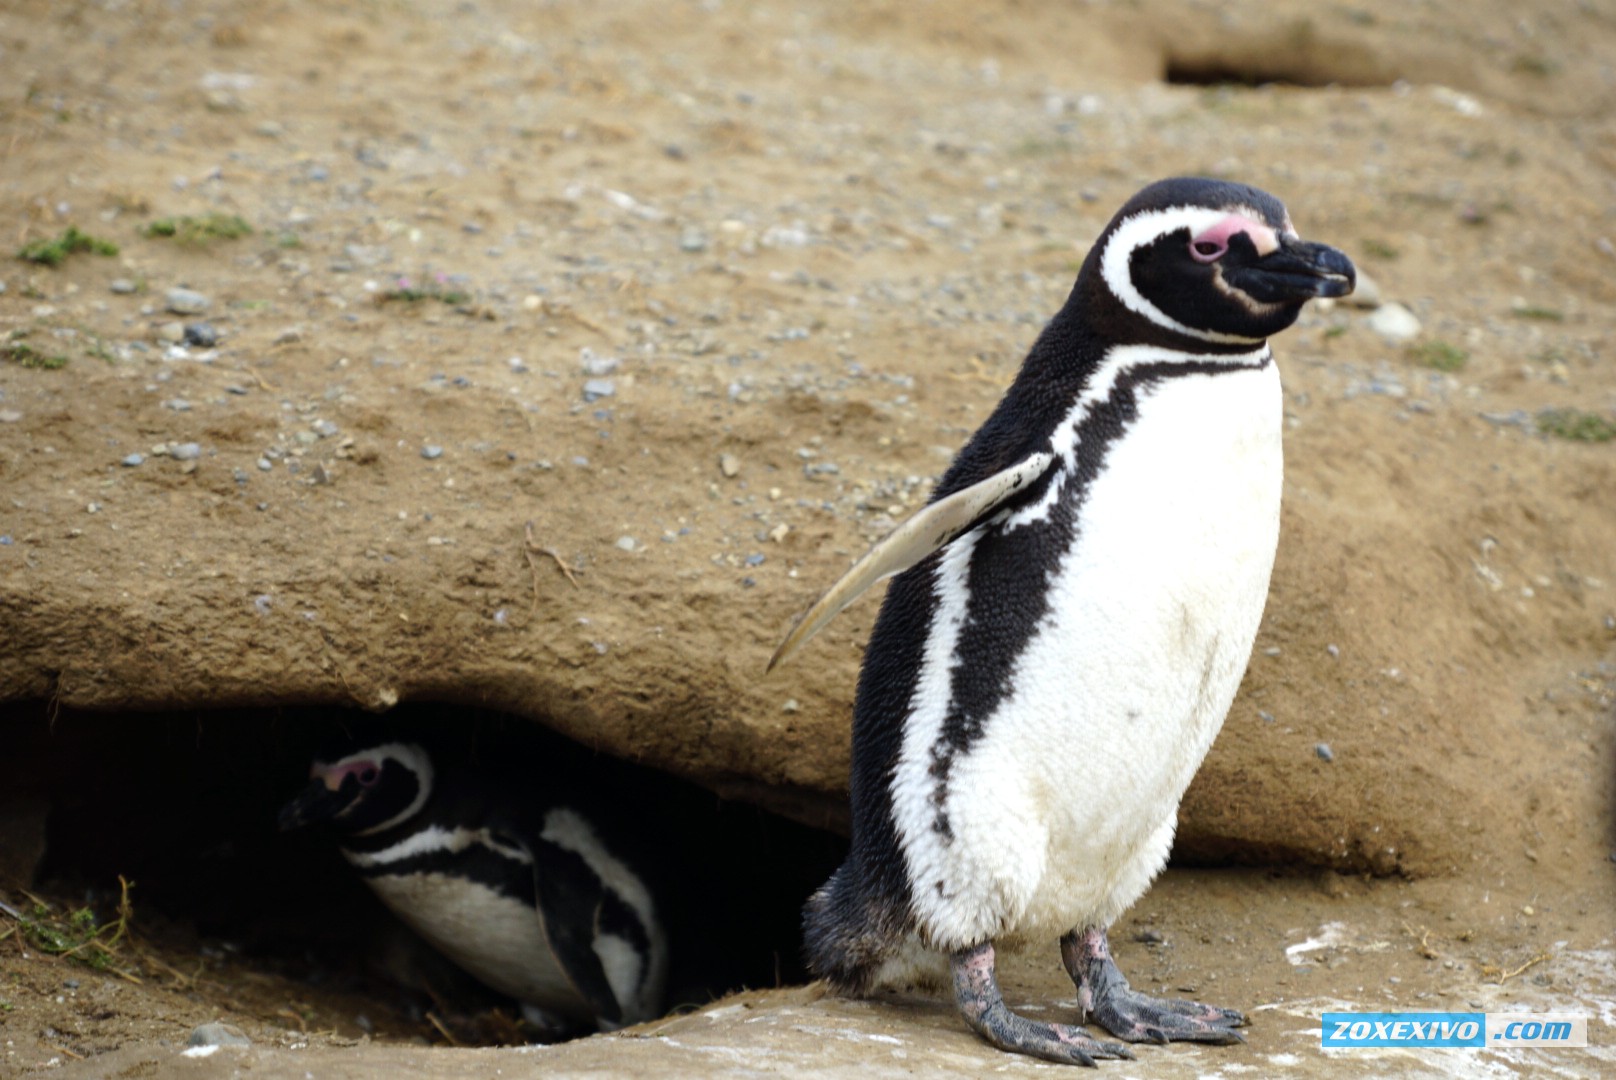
(493, 937)
(1063, 809)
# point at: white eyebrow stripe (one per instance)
(1137, 230)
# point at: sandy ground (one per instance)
(572, 351)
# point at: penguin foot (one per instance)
(976, 991)
(1106, 998)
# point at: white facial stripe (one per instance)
(1140, 229)
(410, 756)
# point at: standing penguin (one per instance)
(522, 892)
(1073, 613)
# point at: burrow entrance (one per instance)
(184, 806)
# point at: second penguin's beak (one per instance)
(316, 803)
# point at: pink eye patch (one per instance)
(336, 774)
(1212, 244)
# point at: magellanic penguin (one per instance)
(1071, 617)
(522, 892)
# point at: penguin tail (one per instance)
(848, 939)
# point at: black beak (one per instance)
(316, 803)
(1298, 271)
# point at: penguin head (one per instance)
(1216, 262)
(365, 789)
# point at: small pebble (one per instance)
(201, 334)
(595, 389)
(597, 365)
(186, 301)
(173, 332)
(1324, 752)
(626, 543)
(123, 286)
(729, 464)
(134, 459)
(217, 1034)
(9, 416)
(1395, 323)
(324, 428)
(265, 464)
(186, 451)
(431, 452)
(692, 240)
(178, 404)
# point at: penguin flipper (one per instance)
(571, 898)
(934, 527)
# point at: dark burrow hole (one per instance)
(1306, 63)
(185, 806)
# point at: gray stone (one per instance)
(123, 286)
(134, 459)
(431, 452)
(171, 331)
(597, 365)
(185, 451)
(1395, 323)
(186, 301)
(218, 1034)
(595, 389)
(201, 334)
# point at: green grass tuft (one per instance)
(1379, 249)
(72, 241)
(1576, 425)
(1532, 311)
(1439, 355)
(406, 291)
(200, 230)
(29, 357)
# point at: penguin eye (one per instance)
(368, 776)
(1206, 251)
